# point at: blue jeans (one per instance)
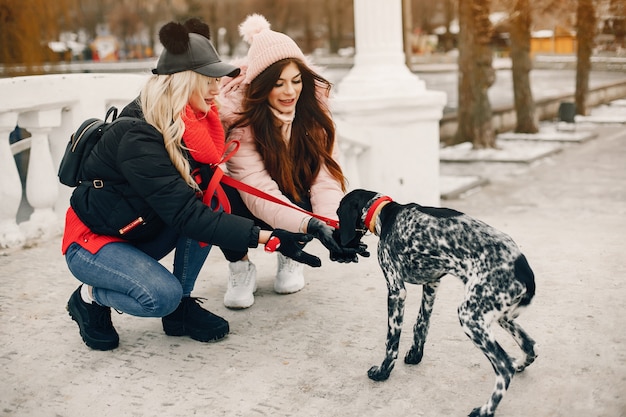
(129, 277)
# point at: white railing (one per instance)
(50, 107)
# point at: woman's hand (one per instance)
(291, 245)
(323, 233)
(346, 256)
(329, 238)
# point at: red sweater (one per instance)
(77, 231)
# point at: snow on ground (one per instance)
(464, 169)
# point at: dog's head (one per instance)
(351, 212)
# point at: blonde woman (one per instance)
(145, 203)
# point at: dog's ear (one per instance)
(349, 213)
(347, 229)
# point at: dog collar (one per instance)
(372, 211)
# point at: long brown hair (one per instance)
(292, 165)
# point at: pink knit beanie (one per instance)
(266, 46)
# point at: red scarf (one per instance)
(204, 135)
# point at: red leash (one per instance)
(214, 189)
(255, 191)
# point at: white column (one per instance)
(42, 185)
(10, 186)
(382, 102)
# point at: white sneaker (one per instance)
(290, 275)
(241, 285)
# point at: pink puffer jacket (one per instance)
(246, 165)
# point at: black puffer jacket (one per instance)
(140, 181)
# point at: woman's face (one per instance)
(287, 89)
(202, 98)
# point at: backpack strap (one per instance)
(98, 183)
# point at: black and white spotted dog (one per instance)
(420, 245)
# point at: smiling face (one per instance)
(203, 97)
(287, 89)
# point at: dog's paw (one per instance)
(376, 374)
(476, 413)
(413, 357)
(520, 366)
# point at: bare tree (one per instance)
(339, 17)
(476, 75)
(27, 27)
(521, 64)
(585, 34)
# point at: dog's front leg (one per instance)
(396, 294)
(420, 330)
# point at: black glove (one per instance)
(291, 245)
(330, 239)
(346, 256)
(324, 234)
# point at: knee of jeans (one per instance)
(167, 302)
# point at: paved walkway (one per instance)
(307, 354)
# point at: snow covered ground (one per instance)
(465, 170)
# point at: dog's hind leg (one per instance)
(420, 330)
(476, 321)
(395, 309)
(523, 340)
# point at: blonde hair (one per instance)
(163, 101)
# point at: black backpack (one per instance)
(80, 145)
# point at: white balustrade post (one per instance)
(41, 180)
(350, 164)
(382, 102)
(10, 186)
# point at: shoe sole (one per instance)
(178, 331)
(238, 305)
(289, 290)
(92, 343)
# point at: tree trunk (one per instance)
(585, 34)
(331, 19)
(521, 66)
(476, 75)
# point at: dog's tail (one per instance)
(525, 275)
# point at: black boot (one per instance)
(94, 323)
(189, 319)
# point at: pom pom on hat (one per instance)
(195, 25)
(175, 38)
(266, 46)
(253, 25)
(188, 48)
